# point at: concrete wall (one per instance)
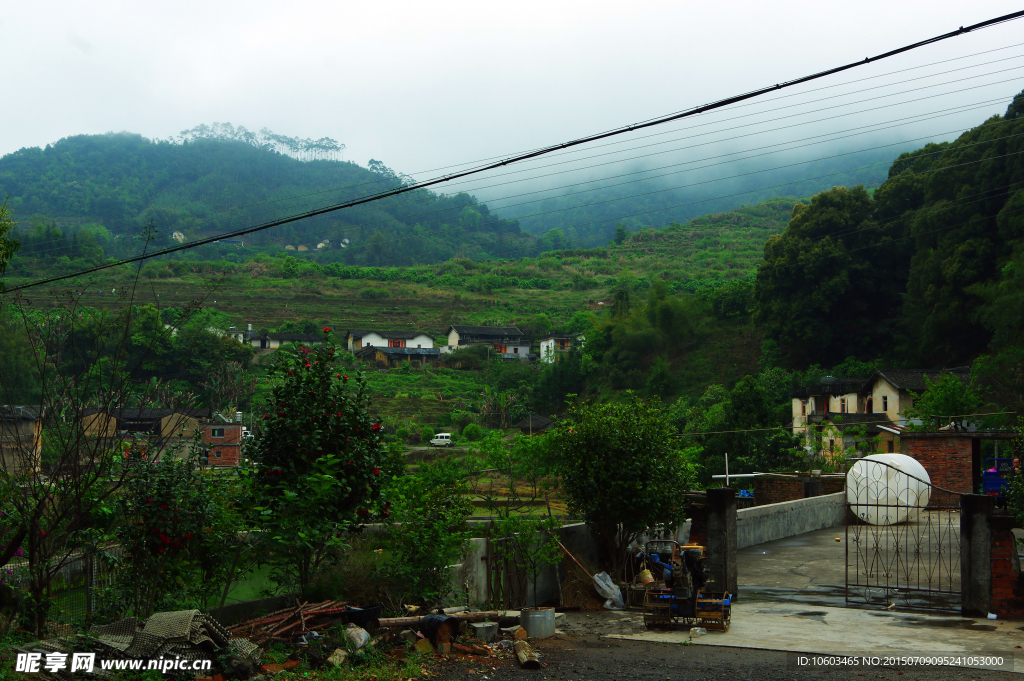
(770, 522)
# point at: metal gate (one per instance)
(902, 540)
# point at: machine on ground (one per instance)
(680, 597)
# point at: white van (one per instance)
(442, 440)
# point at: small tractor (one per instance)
(680, 597)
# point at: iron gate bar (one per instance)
(917, 555)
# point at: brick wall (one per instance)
(226, 450)
(947, 458)
(1007, 596)
(831, 485)
(773, 489)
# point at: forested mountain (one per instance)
(587, 215)
(87, 197)
(929, 270)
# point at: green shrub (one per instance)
(426, 433)
(374, 293)
(461, 418)
(402, 434)
(472, 432)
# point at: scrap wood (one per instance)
(527, 657)
(467, 616)
(285, 622)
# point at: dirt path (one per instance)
(581, 654)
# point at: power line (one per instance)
(953, 110)
(384, 179)
(661, 120)
(806, 179)
(874, 127)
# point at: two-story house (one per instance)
(507, 341)
(555, 344)
(357, 339)
(222, 440)
(845, 412)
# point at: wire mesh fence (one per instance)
(76, 587)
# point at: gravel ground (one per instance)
(580, 654)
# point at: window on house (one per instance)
(892, 446)
(217, 453)
(515, 350)
(885, 403)
(842, 405)
(216, 432)
(803, 407)
(397, 343)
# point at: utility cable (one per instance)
(384, 179)
(939, 152)
(441, 210)
(661, 120)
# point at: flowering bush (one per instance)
(320, 463)
(175, 522)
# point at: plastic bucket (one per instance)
(538, 622)
(646, 577)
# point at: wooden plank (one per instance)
(467, 616)
(526, 656)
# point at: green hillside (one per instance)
(87, 197)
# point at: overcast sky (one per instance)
(424, 84)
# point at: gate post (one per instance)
(976, 554)
(721, 539)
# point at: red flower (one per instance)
(349, 462)
(280, 413)
(376, 471)
(344, 378)
(363, 512)
(163, 505)
(161, 549)
(42, 532)
(337, 375)
(291, 372)
(264, 417)
(376, 427)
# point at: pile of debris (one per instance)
(290, 624)
(440, 635)
(182, 634)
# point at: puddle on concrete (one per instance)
(827, 596)
(834, 596)
(966, 625)
(818, 615)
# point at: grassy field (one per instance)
(704, 252)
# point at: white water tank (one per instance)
(885, 489)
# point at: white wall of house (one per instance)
(547, 350)
(885, 399)
(374, 340)
(835, 404)
(453, 338)
(420, 341)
